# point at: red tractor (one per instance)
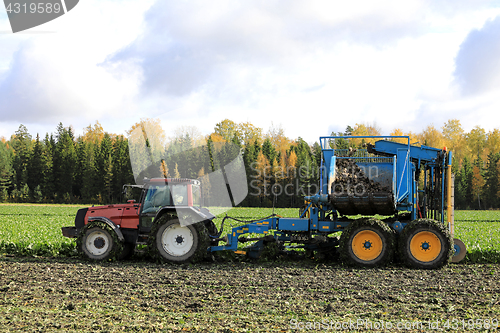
(170, 219)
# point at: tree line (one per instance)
(93, 167)
(63, 169)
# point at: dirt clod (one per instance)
(351, 179)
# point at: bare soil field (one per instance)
(72, 295)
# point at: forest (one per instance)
(93, 167)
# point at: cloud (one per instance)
(58, 76)
(24, 92)
(311, 66)
(46, 86)
(191, 46)
(477, 62)
(276, 61)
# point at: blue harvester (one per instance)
(387, 200)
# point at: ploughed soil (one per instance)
(44, 294)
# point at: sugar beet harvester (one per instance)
(403, 193)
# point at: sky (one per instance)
(310, 67)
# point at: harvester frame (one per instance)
(415, 230)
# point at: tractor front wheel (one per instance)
(98, 243)
(367, 243)
(171, 242)
(426, 243)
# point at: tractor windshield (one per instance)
(156, 197)
(160, 195)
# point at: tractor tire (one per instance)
(169, 242)
(367, 243)
(98, 242)
(425, 243)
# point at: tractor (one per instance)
(169, 219)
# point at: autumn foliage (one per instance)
(92, 167)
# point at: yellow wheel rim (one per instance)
(425, 246)
(367, 245)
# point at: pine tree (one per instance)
(291, 173)
(48, 186)
(305, 173)
(122, 168)
(268, 150)
(36, 165)
(108, 180)
(463, 186)
(6, 171)
(64, 162)
(316, 157)
(104, 164)
(491, 181)
(21, 143)
(89, 190)
(80, 145)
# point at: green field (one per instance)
(35, 230)
(72, 295)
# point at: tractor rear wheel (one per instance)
(426, 243)
(171, 242)
(98, 243)
(367, 243)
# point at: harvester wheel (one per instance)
(367, 243)
(170, 242)
(97, 242)
(426, 243)
(459, 250)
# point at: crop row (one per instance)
(35, 230)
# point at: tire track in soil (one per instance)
(73, 295)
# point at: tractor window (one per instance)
(179, 195)
(156, 197)
(196, 189)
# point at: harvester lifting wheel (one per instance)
(99, 243)
(425, 243)
(459, 250)
(171, 242)
(367, 243)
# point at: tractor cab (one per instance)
(167, 194)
